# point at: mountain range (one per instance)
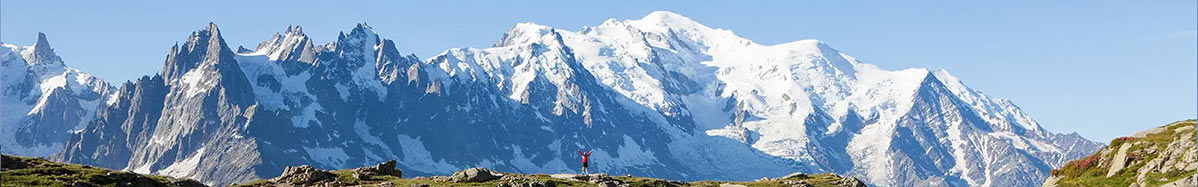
(661, 96)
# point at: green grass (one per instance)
(1092, 170)
(25, 171)
(346, 177)
(818, 180)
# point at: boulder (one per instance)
(796, 183)
(515, 180)
(1119, 160)
(474, 175)
(608, 184)
(386, 168)
(850, 182)
(304, 174)
(524, 184)
(441, 178)
(1051, 181)
(591, 177)
(601, 180)
(1190, 181)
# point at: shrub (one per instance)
(1077, 167)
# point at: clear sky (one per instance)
(1101, 68)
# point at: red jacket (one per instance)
(585, 155)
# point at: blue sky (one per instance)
(1101, 68)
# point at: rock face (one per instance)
(189, 121)
(1162, 156)
(661, 96)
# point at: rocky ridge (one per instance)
(1162, 156)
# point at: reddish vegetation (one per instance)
(1077, 167)
(1086, 163)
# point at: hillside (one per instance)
(1162, 156)
(25, 171)
(385, 174)
(38, 172)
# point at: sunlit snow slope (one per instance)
(802, 101)
(41, 99)
(661, 96)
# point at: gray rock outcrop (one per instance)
(475, 175)
(304, 175)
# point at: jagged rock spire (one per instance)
(292, 45)
(295, 30)
(242, 49)
(216, 42)
(361, 35)
(43, 53)
(363, 27)
(42, 42)
(203, 46)
(358, 45)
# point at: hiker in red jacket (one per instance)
(584, 160)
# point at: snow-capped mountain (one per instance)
(41, 99)
(661, 96)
